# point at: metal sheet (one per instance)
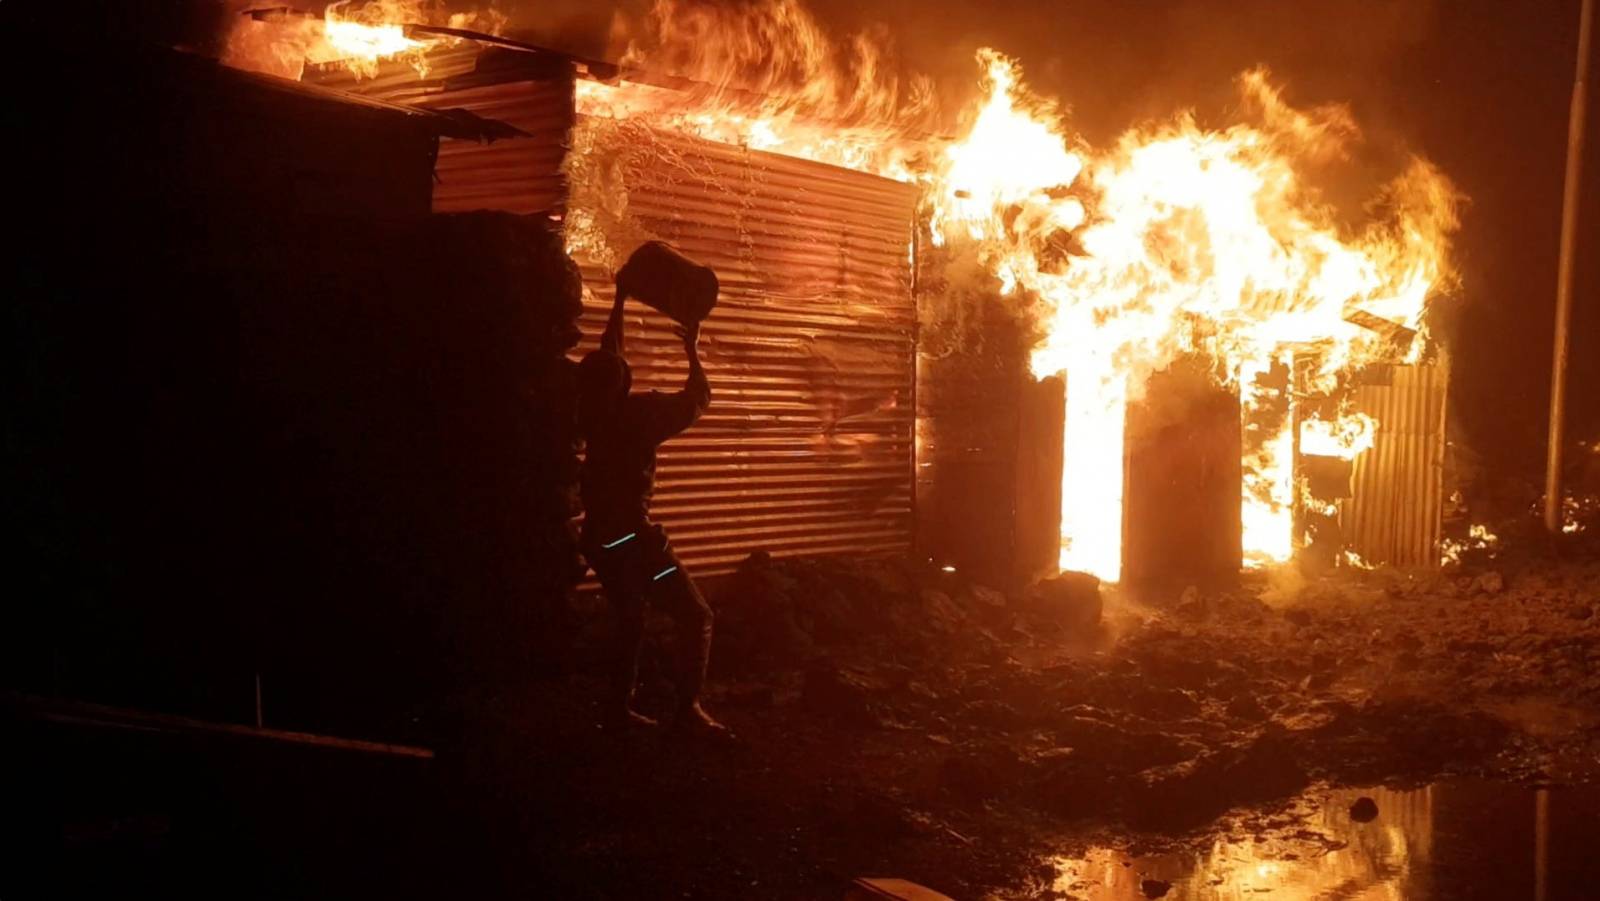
(975, 428)
(1180, 520)
(1398, 484)
(519, 175)
(807, 446)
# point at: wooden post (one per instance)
(1541, 844)
(1564, 274)
(1036, 538)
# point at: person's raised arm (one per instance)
(661, 416)
(696, 389)
(612, 338)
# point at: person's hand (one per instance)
(689, 334)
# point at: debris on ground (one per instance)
(892, 890)
(897, 719)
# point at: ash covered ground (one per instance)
(894, 720)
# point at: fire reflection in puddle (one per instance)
(1452, 840)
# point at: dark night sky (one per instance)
(1481, 87)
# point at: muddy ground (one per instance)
(897, 721)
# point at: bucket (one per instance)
(668, 281)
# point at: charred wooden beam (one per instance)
(1393, 331)
(80, 713)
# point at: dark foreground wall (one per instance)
(408, 432)
(264, 413)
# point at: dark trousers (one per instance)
(642, 571)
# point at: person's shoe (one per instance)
(694, 722)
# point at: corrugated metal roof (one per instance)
(1397, 489)
(1181, 483)
(807, 446)
(195, 73)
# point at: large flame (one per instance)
(1180, 240)
(351, 33)
(364, 43)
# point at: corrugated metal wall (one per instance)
(522, 175)
(531, 92)
(1397, 487)
(807, 447)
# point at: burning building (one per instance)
(317, 483)
(1232, 354)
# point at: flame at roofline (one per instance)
(1178, 239)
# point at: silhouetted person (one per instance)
(630, 554)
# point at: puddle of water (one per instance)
(1451, 841)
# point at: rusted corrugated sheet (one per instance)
(1397, 492)
(534, 95)
(807, 447)
(521, 175)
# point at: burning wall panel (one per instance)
(807, 446)
(1181, 519)
(1398, 484)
